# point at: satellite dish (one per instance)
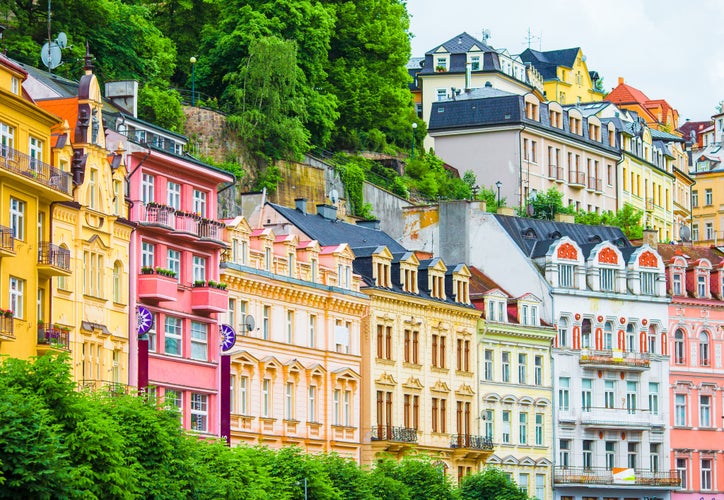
(62, 40)
(50, 55)
(334, 196)
(685, 233)
(250, 323)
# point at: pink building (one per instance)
(175, 256)
(695, 280)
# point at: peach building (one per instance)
(695, 281)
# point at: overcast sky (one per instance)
(670, 50)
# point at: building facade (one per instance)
(296, 365)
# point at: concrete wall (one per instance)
(387, 208)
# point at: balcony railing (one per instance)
(391, 433)
(53, 336)
(21, 163)
(615, 357)
(622, 417)
(160, 215)
(597, 475)
(555, 172)
(7, 240)
(187, 222)
(471, 442)
(594, 184)
(576, 178)
(7, 324)
(53, 259)
(211, 230)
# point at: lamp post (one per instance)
(497, 185)
(414, 127)
(193, 80)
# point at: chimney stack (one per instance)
(620, 80)
(329, 212)
(301, 205)
(651, 237)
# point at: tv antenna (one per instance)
(50, 54)
(530, 37)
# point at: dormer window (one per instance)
(566, 276)
(607, 277)
(531, 111)
(441, 64)
(15, 85)
(437, 286)
(575, 125)
(528, 314)
(701, 287)
(409, 279)
(382, 275)
(267, 259)
(475, 63)
(496, 310)
(648, 283)
(676, 281)
(462, 290)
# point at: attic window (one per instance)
(594, 239)
(554, 235)
(620, 242)
(529, 234)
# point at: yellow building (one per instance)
(646, 178)
(516, 385)
(295, 368)
(566, 78)
(29, 188)
(90, 296)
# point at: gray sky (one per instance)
(671, 50)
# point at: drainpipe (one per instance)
(520, 166)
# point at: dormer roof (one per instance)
(460, 44)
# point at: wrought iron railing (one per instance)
(614, 357)
(7, 239)
(48, 175)
(392, 433)
(53, 336)
(576, 177)
(53, 255)
(600, 475)
(471, 441)
(210, 229)
(159, 214)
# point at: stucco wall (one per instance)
(387, 208)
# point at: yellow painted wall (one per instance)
(573, 84)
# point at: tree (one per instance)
(549, 203)
(490, 484)
(627, 218)
(416, 477)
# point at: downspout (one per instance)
(520, 167)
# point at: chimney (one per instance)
(370, 224)
(566, 218)
(651, 238)
(468, 75)
(124, 94)
(329, 212)
(506, 211)
(301, 205)
(620, 80)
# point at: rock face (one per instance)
(206, 130)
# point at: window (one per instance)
(200, 203)
(244, 395)
(609, 395)
(607, 279)
(199, 412)
(17, 218)
(174, 399)
(312, 327)
(199, 341)
(488, 365)
(172, 336)
(266, 399)
(199, 268)
(704, 349)
(92, 188)
(441, 94)
(586, 334)
(441, 64)
(694, 198)
(290, 327)
(411, 411)
(266, 313)
(522, 368)
(335, 407)
(608, 335)
(93, 273)
(676, 283)
(438, 350)
(679, 347)
(506, 426)
(147, 254)
(654, 452)
(563, 393)
(709, 231)
(586, 394)
(631, 388)
(7, 140)
(610, 454)
(151, 334)
(654, 398)
(538, 371)
(489, 424)
(564, 450)
(147, 188)
(563, 332)
(523, 480)
(439, 414)
(648, 282)
(633, 449)
(312, 404)
(680, 410)
(463, 355)
(587, 453)
(695, 232)
(17, 302)
(347, 407)
(117, 283)
(540, 486)
(505, 375)
(701, 285)
(705, 411)
(475, 63)
(173, 195)
(681, 466)
(566, 276)
(173, 262)
(289, 401)
(630, 337)
(412, 346)
(707, 197)
(706, 474)
(539, 429)
(523, 428)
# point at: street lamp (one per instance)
(193, 80)
(414, 127)
(497, 185)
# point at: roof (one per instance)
(690, 252)
(664, 136)
(534, 236)
(333, 232)
(461, 44)
(547, 62)
(625, 93)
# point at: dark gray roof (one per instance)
(461, 44)
(665, 136)
(362, 240)
(535, 236)
(547, 62)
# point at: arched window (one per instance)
(704, 348)
(563, 332)
(62, 283)
(652, 339)
(586, 334)
(679, 347)
(117, 283)
(608, 335)
(630, 337)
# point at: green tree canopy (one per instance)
(490, 484)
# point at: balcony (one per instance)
(601, 476)
(576, 178)
(212, 232)
(392, 433)
(471, 442)
(594, 184)
(7, 242)
(7, 325)
(209, 298)
(555, 173)
(156, 216)
(53, 336)
(615, 357)
(618, 418)
(187, 224)
(154, 287)
(53, 260)
(42, 173)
